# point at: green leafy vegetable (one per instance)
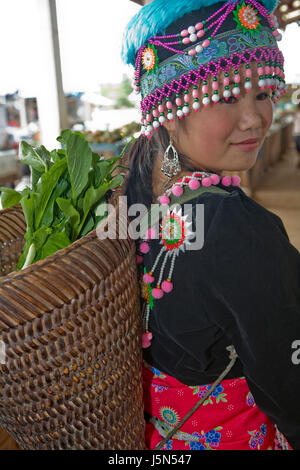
(68, 195)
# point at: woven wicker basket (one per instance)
(71, 329)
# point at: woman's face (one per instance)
(210, 135)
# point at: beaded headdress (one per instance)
(175, 45)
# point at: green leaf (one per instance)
(40, 236)
(91, 197)
(28, 203)
(60, 188)
(79, 157)
(37, 158)
(55, 242)
(71, 214)
(9, 197)
(116, 181)
(95, 159)
(88, 227)
(57, 155)
(45, 187)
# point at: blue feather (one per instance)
(157, 16)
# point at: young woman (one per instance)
(208, 73)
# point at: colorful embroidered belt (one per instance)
(228, 420)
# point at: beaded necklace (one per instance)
(175, 234)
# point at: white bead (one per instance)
(215, 98)
(193, 37)
(206, 100)
(147, 133)
(261, 83)
(196, 105)
(226, 93)
(191, 29)
(179, 113)
(155, 124)
(199, 48)
(269, 82)
(236, 90)
(143, 129)
(149, 128)
(170, 116)
(185, 110)
(248, 85)
(162, 119)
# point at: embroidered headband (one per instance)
(175, 45)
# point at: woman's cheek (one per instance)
(267, 113)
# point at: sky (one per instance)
(90, 34)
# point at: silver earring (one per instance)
(170, 166)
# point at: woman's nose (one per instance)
(250, 116)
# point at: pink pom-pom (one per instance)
(167, 286)
(215, 179)
(147, 278)
(226, 181)
(157, 293)
(139, 259)
(146, 340)
(144, 248)
(151, 233)
(235, 180)
(194, 184)
(177, 190)
(164, 200)
(206, 181)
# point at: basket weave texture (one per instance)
(71, 329)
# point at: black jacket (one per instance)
(242, 288)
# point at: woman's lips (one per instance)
(250, 144)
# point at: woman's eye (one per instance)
(263, 96)
(229, 100)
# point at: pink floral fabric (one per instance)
(228, 420)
